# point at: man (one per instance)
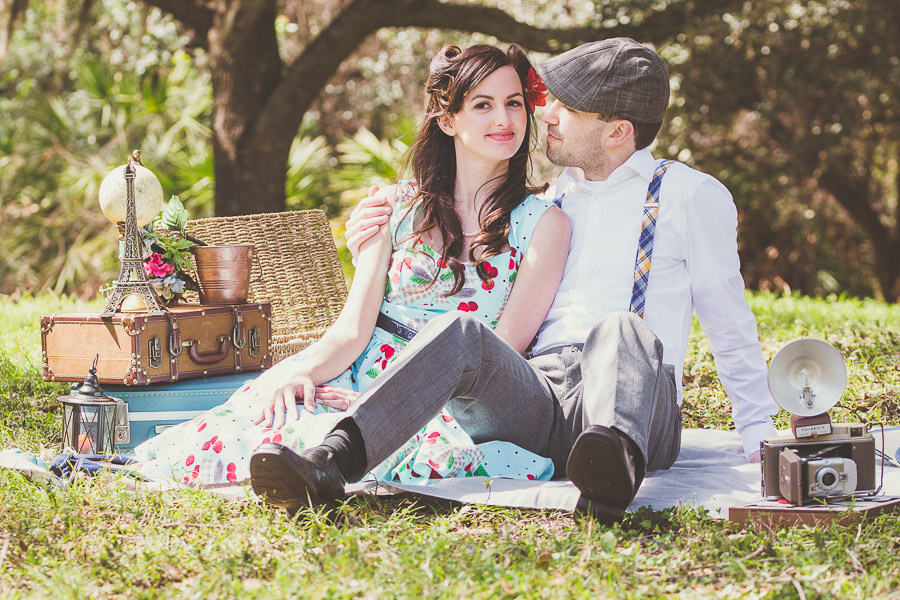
(600, 396)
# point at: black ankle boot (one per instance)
(602, 466)
(283, 478)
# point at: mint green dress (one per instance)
(215, 447)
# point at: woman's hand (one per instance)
(335, 397)
(280, 406)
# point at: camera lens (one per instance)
(827, 478)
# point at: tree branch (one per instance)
(471, 18)
(310, 71)
(193, 15)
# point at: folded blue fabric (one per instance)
(67, 465)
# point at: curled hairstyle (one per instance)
(452, 74)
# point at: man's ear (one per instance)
(445, 122)
(622, 132)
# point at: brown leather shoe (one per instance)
(602, 467)
(283, 478)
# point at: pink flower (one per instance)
(155, 266)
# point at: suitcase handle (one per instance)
(208, 358)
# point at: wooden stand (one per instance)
(772, 513)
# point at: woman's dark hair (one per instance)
(452, 74)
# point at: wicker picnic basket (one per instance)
(301, 273)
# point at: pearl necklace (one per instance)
(470, 234)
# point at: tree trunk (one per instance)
(853, 193)
(10, 13)
(246, 68)
(887, 270)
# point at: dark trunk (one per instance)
(887, 267)
(246, 69)
(853, 193)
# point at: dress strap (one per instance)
(645, 242)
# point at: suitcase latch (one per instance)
(174, 336)
(154, 350)
(238, 333)
(255, 340)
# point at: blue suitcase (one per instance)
(155, 407)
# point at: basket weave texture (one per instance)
(301, 272)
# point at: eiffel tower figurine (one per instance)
(132, 278)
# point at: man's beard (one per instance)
(552, 155)
(590, 161)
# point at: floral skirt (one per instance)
(214, 449)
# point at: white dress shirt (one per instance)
(694, 266)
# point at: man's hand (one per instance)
(365, 220)
(754, 458)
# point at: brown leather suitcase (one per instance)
(138, 348)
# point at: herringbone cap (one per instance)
(617, 76)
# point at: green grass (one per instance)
(96, 539)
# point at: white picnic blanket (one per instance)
(710, 472)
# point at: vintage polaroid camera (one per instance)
(821, 461)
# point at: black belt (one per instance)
(394, 327)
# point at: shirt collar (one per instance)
(641, 163)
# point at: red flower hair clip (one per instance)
(535, 91)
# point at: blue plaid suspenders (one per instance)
(645, 242)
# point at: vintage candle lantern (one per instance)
(92, 422)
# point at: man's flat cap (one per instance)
(617, 76)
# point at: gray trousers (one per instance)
(616, 379)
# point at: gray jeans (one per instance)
(542, 404)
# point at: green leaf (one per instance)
(174, 215)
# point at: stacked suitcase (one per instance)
(168, 368)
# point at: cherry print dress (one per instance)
(214, 448)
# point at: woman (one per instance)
(464, 229)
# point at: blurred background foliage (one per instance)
(791, 104)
